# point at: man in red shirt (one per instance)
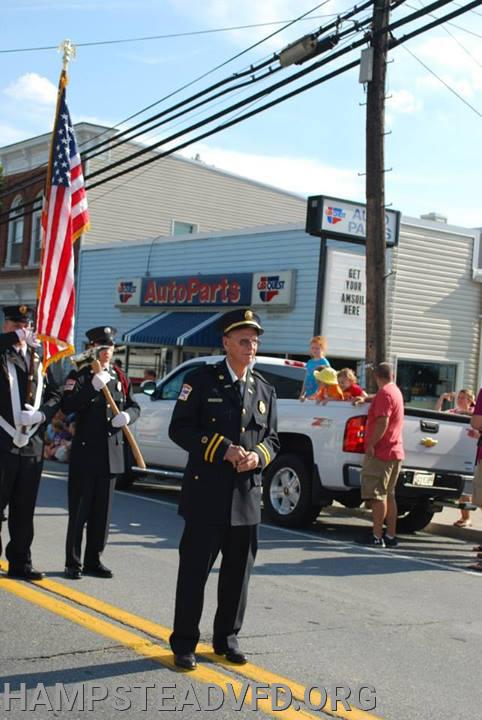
(383, 455)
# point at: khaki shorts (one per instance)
(379, 477)
(477, 485)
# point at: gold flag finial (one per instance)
(67, 48)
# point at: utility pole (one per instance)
(375, 191)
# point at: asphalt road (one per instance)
(323, 612)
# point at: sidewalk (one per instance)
(442, 524)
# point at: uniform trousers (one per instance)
(199, 547)
(90, 501)
(19, 483)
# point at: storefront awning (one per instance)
(192, 329)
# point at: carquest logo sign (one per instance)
(273, 288)
(335, 215)
(269, 287)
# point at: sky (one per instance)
(312, 144)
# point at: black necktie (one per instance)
(239, 385)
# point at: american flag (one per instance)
(64, 218)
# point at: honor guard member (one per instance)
(22, 434)
(225, 417)
(97, 453)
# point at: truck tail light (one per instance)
(354, 438)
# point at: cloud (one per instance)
(10, 134)
(301, 175)
(219, 13)
(32, 88)
(403, 101)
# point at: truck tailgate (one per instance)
(438, 440)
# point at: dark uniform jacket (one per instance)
(209, 415)
(97, 446)
(50, 400)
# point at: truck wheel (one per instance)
(415, 519)
(287, 492)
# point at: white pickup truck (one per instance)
(321, 450)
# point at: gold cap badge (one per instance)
(248, 315)
(23, 309)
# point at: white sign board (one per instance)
(128, 292)
(347, 218)
(344, 304)
(273, 289)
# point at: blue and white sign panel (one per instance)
(348, 219)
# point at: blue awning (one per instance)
(192, 329)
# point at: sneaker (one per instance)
(376, 542)
(390, 541)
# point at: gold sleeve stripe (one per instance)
(215, 447)
(211, 443)
(265, 453)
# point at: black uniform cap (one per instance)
(19, 313)
(101, 335)
(237, 319)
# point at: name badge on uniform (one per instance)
(215, 400)
(261, 407)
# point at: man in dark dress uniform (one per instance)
(225, 417)
(97, 453)
(21, 435)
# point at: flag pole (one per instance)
(68, 50)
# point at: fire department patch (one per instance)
(185, 392)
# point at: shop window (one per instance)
(422, 383)
(36, 237)
(15, 233)
(183, 228)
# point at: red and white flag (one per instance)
(64, 218)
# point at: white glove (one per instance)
(28, 336)
(120, 420)
(30, 416)
(100, 380)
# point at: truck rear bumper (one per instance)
(414, 482)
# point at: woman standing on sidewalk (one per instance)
(464, 405)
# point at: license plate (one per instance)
(423, 479)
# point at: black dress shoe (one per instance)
(186, 661)
(25, 572)
(99, 570)
(234, 656)
(73, 573)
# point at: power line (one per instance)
(166, 36)
(303, 88)
(39, 175)
(406, 19)
(296, 91)
(455, 39)
(441, 80)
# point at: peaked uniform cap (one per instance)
(102, 335)
(19, 313)
(237, 319)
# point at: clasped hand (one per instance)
(242, 460)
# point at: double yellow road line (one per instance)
(46, 593)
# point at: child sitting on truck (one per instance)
(316, 362)
(347, 380)
(328, 388)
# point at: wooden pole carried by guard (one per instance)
(96, 367)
